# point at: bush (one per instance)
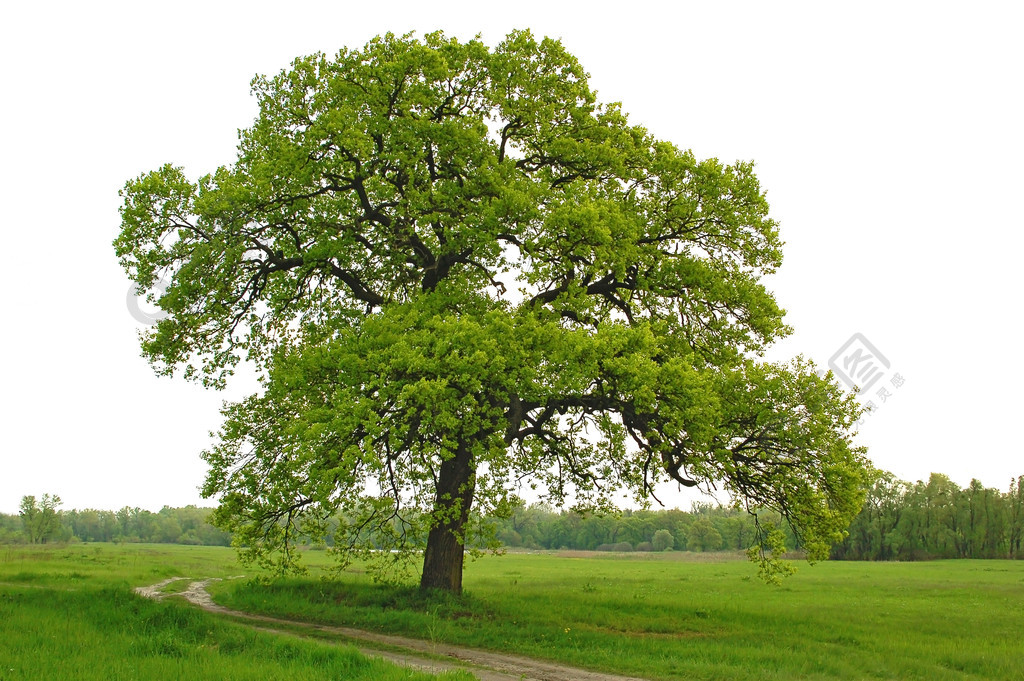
(663, 540)
(618, 546)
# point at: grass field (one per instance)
(68, 613)
(679, 616)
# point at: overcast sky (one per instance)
(888, 137)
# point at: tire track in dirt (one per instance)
(485, 665)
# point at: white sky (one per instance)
(887, 135)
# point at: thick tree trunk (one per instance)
(443, 558)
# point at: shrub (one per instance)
(663, 540)
(618, 546)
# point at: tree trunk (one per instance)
(443, 558)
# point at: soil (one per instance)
(424, 655)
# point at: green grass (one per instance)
(69, 613)
(664, 617)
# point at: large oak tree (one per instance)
(457, 272)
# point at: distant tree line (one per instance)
(899, 521)
(706, 527)
(936, 519)
(42, 521)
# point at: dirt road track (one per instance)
(485, 665)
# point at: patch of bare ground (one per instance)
(157, 590)
(424, 655)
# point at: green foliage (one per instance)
(713, 527)
(702, 536)
(768, 552)
(454, 269)
(935, 519)
(899, 521)
(41, 520)
(663, 540)
(617, 547)
(186, 525)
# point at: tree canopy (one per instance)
(41, 519)
(458, 272)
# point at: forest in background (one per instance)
(42, 521)
(899, 521)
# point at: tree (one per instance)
(41, 519)
(29, 512)
(49, 518)
(167, 529)
(873, 535)
(1015, 512)
(11, 529)
(702, 536)
(454, 269)
(663, 540)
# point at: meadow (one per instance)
(696, 616)
(68, 613)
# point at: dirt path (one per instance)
(485, 665)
